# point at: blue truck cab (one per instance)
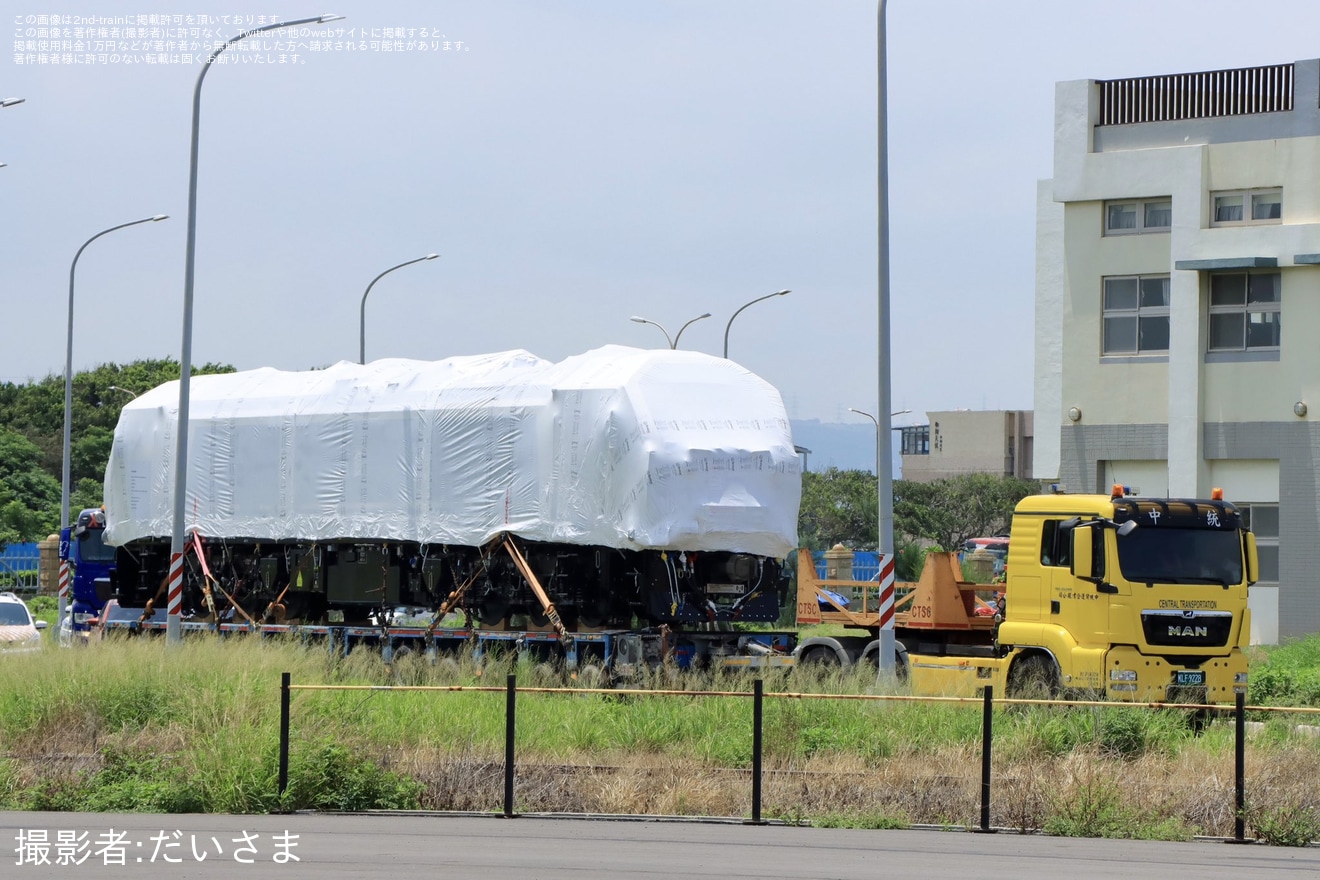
(90, 562)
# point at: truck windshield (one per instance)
(1181, 556)
(92, 549)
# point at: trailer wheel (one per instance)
(1034, 677)
(402, 667)
(821, 656)
(592, 675)
(900, 664)
(872, 660)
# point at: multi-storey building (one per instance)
(968, 442)
(1178, 237)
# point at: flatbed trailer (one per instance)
(618, 653)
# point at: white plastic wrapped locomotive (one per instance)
(640, 486)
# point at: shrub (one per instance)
(329, 776)
(1287, 825)
(140, 783)
(1095, 806)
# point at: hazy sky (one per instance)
(575, 162)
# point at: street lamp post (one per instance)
(673, 343)
(885, 440)
(884, 463)
(173, 628)
(743, 306)
(68, 404)
(362, 323)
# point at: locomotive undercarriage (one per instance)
(356, 582)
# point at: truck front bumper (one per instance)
(1131, 676)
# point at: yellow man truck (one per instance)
(1117, 597)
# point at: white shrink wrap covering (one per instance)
(618, 447)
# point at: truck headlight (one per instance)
(1240, 678)
(1122, 675)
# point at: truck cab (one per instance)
(90, 563)
(1107, 596)
(1129, 598)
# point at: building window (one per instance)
(1263, 520)
(1244, 311)
(1138, 215)
(916, 440)
(1246, 206)
(1136, 315)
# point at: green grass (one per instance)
(135, 725)
(1287, 674)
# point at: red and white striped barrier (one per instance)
(887, 591)
(64, 583)
(175, 606)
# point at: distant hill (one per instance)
(844, 445)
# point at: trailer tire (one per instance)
(448, 667)
(592, 676)
(403, 670)
(821, 655)
(871, 657)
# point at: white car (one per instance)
(18, 631)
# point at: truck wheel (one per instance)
(821, 656)
(1035, 677)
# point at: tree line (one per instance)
(842, 507)
(32, 440)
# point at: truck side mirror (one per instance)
(1253, 560)
(1083, 564)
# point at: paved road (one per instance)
(483, 848)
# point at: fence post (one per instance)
(757, 702)
(284, 732)
(987, 717)
(1240, 770)
(510, 692)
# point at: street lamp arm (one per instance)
(740, 308)
(868, 415)
(362, 319)
(153, 218)
(670, 342)
(679, 334)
